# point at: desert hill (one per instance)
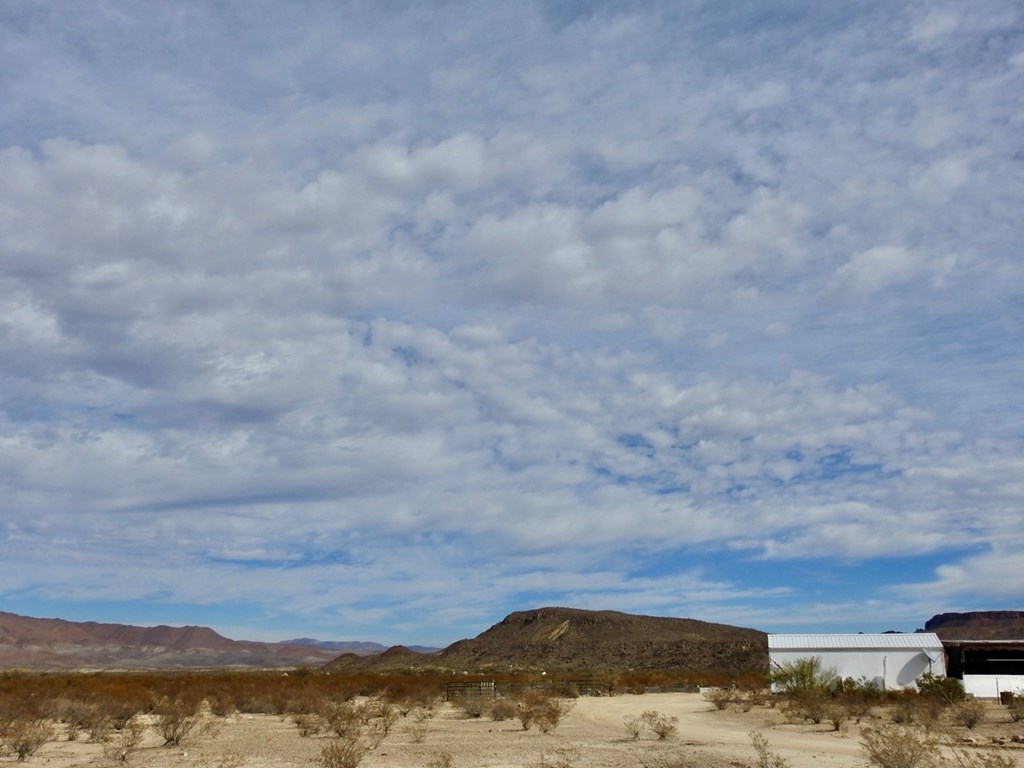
(575, 639)
(978, 625)
(28, 642)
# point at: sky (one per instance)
(381, 320)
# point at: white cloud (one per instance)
(359, 304)
(935, 24)
(994, 575)
(879, 268)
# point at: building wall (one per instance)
(990, 686)
(887, 667)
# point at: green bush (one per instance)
(946, 689)
(804, 675)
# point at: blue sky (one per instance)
(380, 320)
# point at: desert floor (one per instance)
(592, 735)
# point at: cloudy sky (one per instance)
(380, 320)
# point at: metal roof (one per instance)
(853, 641)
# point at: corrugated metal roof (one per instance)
(840, 641)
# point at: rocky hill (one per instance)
(978, 625)
(575, 639)
(32, 643)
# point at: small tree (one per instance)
(802, 675)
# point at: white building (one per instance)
(988, 668)
(888, 660)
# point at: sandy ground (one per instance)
(591, 736)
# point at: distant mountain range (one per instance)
(978, 625)
(358, 647)
(538, 639)
(27, 642)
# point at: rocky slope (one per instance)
(574, 639)
(978, 625)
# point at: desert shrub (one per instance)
(24, 736)
(549, 714)
(91, 718)
(1016, 707)
(529, 705)
(948, 690)
(418, 732)
(309, 724)
(634, 725)
(304, 702)
(175, 719)
(221, 704)
(663, 726)
(969, 713)
(256, 704)
(758, 697)
(563, 757)
(803, 675)
(765, 757)
(969, 757)
(859, 696)
(747, 700)
(811, 704)
(344, 718)
(502, 709)
(121, 746)
(857, 706)
(721, 698)
(381, 715)
(14, 708)
(888, 746)
(471, 705)
(342, 753)
(441, 760)
(836, 714)
(906, 708)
